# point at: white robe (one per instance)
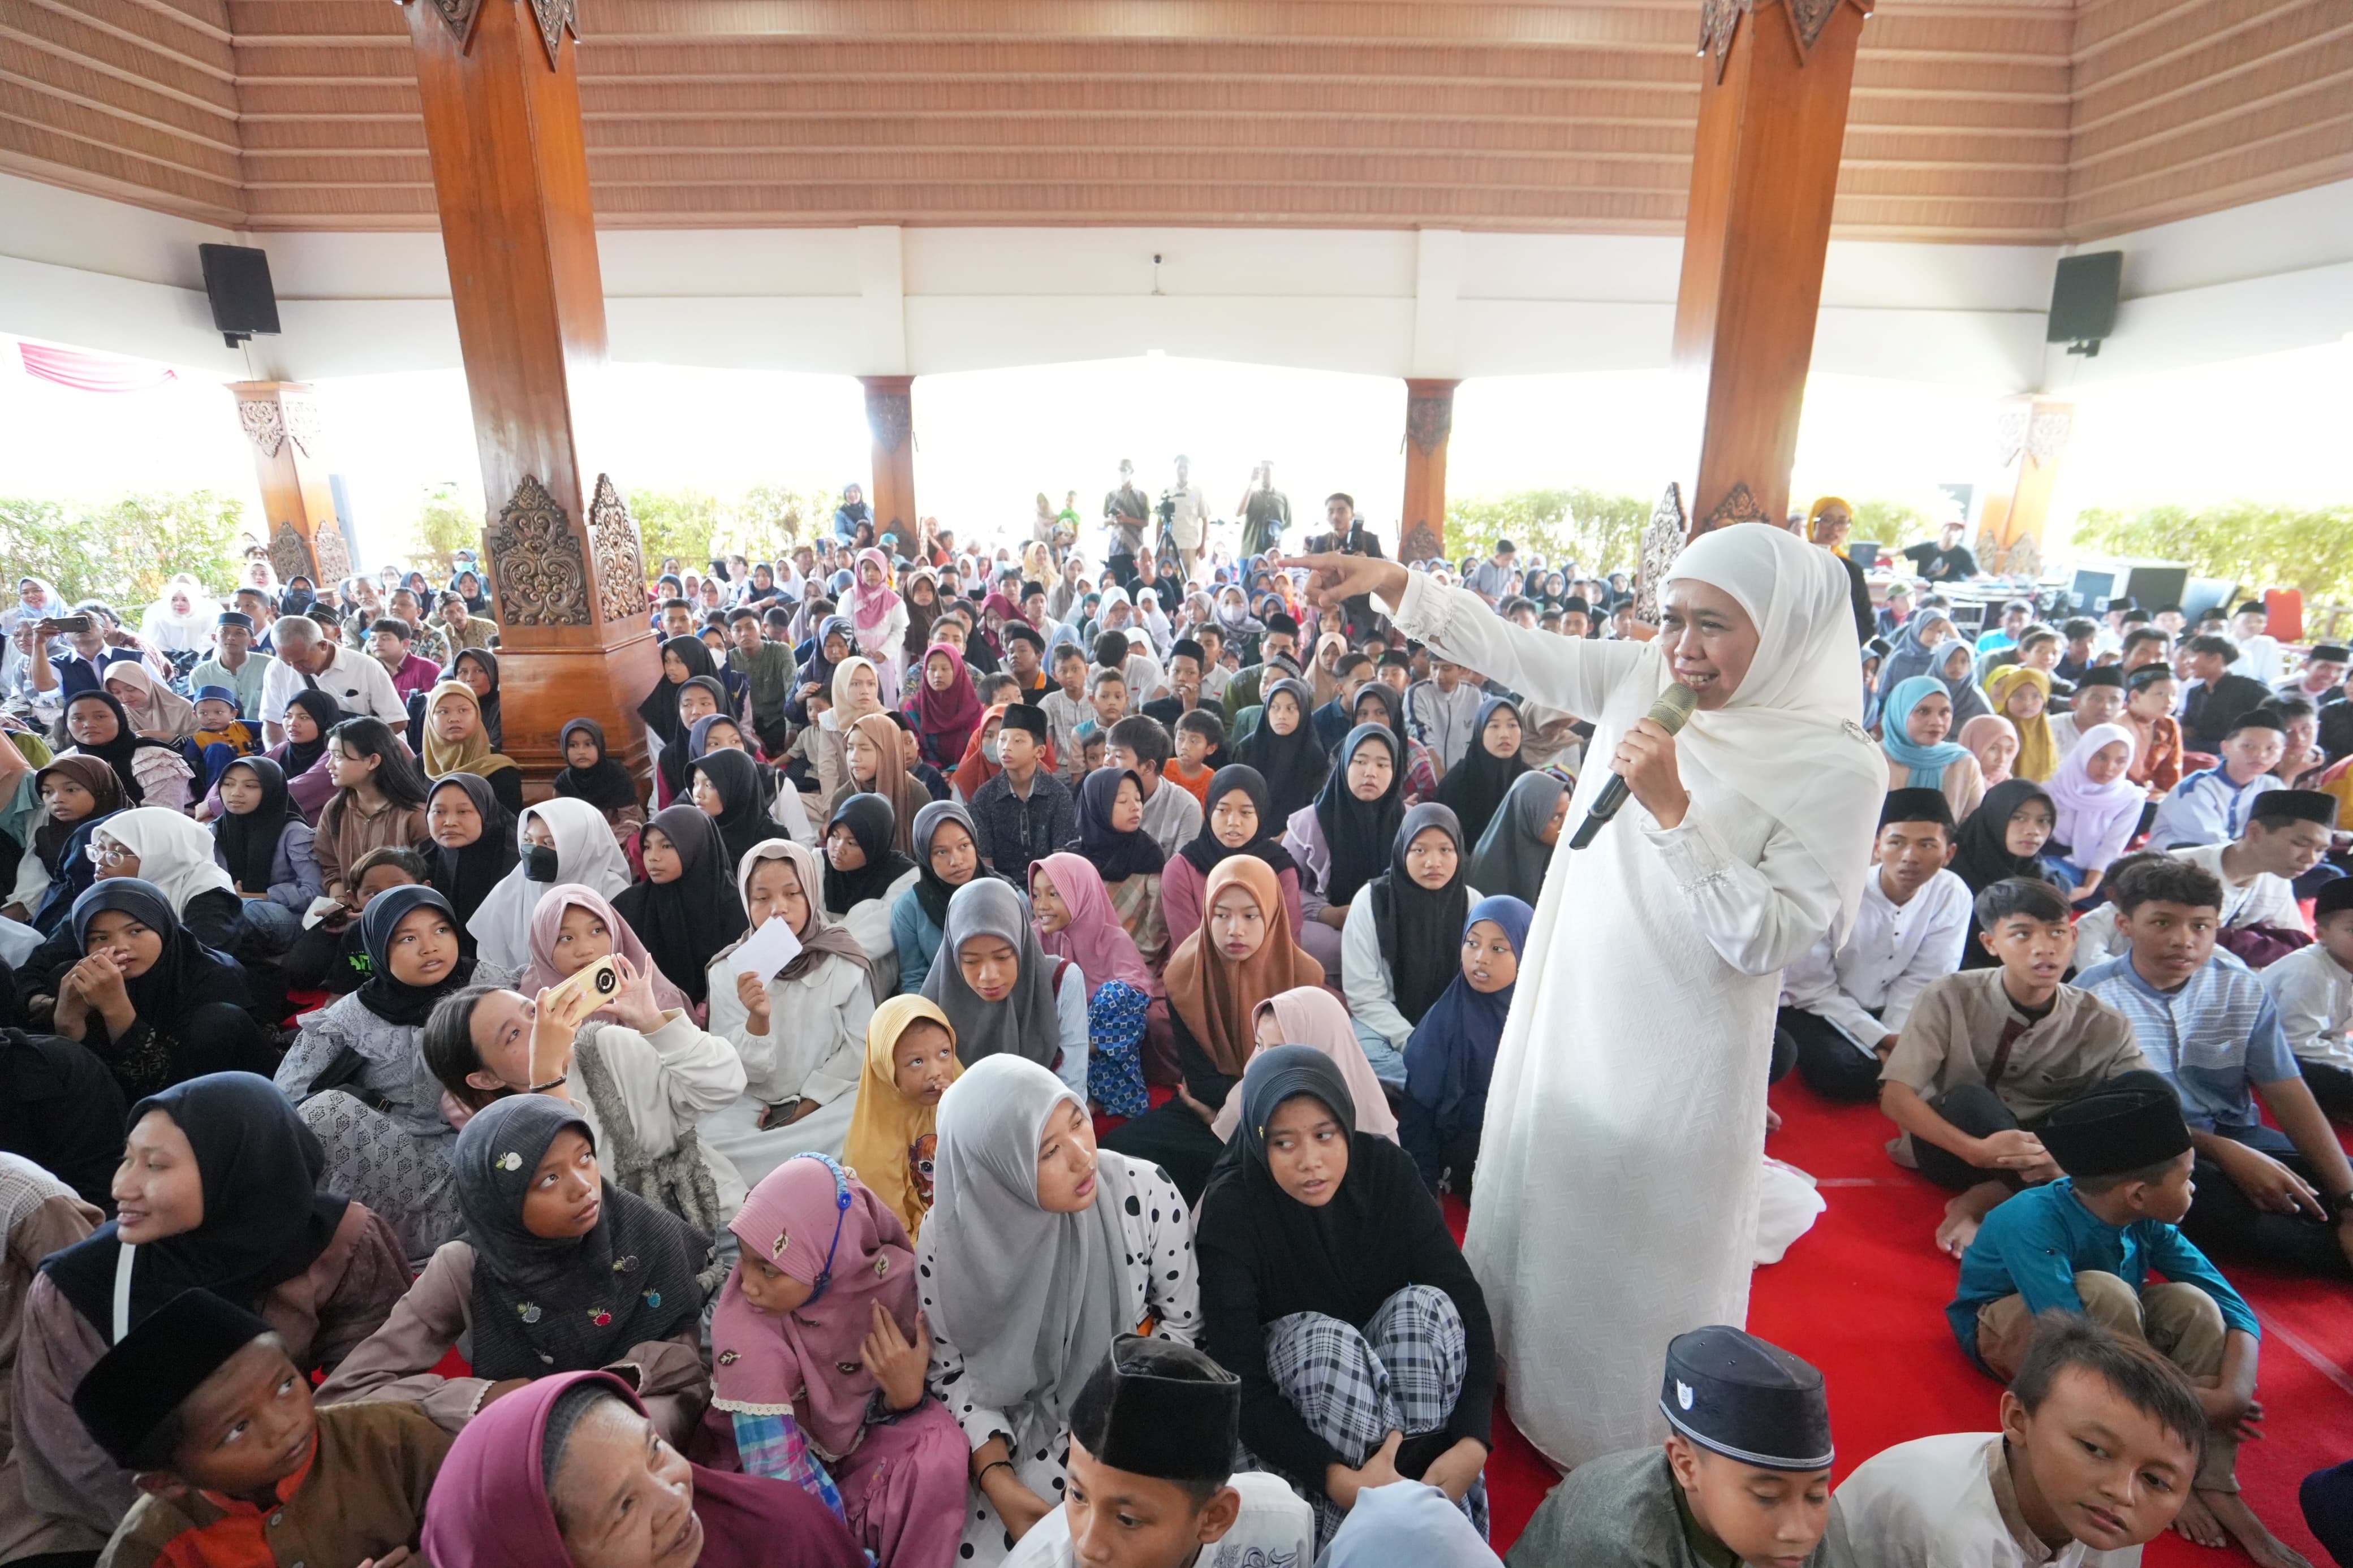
(1619, 1173)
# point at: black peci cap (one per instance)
(1747, 1399)
(2110, 1132)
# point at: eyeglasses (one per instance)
(109, 854)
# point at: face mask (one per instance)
(992, 751)
(538, 863)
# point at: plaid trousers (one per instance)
(1401, 1372)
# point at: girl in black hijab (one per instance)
(1418, 930)
(156, 1005)
(1359, 834)
(117, 752)
(465, 869)
(248, 845)
(683, 659)
(476, 602)
(865, 821)
(296, 758)
(1476, 786)
(1362, 1267)
(676, 760)
(685, 916)
(2000, 839)
(726, 788)
(1116, 855)
(1292, 761)
(596, 779)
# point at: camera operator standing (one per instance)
(1185, 519)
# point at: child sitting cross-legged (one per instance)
(201, 1403)
(2088, 1243)
(1988, 1053)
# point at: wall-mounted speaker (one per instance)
(237, 281)
(2084, 301)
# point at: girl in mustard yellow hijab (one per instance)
(911, 1060)
(2020, 694)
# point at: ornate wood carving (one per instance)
(1737, 505)
(891, 417)
(555, 19)
(535, 557)
(2019, 556)
(620, 558)
(2047, 433)
(1810, 18)
(459, 14)
(1718, 20)
(1429, 421)
(327, 548)
(2008, 435)
(300, 417)
(264, 425)
(1421, 542)
(1662, 541)
(290, 556)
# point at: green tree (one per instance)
(2251, 544)
(122, 549)
(1891, 524)
(769, 519)
(446, 524)
(1600, 533)
(681, 522)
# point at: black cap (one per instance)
(1747, 1399)
(1021, 716)
(2334, 895)
(1917, 805)
(2102, 675)
(2330, 653)
(2112, 1131)
(2122, 602)
(234, 618)
(1279, 622)
(135, 1388)
(1186, 648)
(2295, 806)
(2254, 607)
(1158, 1408)
(1577, 603)
(2169, 609)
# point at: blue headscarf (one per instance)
(1912, 656)
(1452, 1054)
(1927, 763)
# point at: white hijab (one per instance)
(584, 853)
(175, 850)
(1790, 739)
(174, 632)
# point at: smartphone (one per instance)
(601, 980)
(65, 624)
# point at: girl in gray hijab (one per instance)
(1040, 1250)
(1025, 1021)
(1516, 849)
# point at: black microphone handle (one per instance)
(1613, 796)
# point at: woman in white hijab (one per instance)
(1040, 1250)
(1622, 1158)
(563, 839)
(182, 619)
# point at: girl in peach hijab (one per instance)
(1311, 1015)
(1993, 740)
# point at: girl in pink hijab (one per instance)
(819, 1358)
(571, 927)
(1993, 740)
(877, 616)
(1311, 1015)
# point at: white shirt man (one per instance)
(358, 682)
(1866, 986)
(1442, 720)
(1188, 519)
(1943, 1503)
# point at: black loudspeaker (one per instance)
(236, 281)
(2084, 301)
(2150, 586)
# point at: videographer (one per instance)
(1185, 520)
(1125, 513)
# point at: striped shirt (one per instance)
(2215, 1039)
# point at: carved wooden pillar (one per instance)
(1429, 423)
(1772, 117)
(503, 121)
(2030, 437)
(891, 417)
(281, 421)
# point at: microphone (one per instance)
(1670, 712)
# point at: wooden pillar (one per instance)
(2030, 437)
(891, 419)
(1772, 118)
(509, 174)
(281, 421)
(1428, 424)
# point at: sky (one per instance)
(987, 442)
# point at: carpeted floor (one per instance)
(1861, 1296)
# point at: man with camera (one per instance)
(1349, 536)
(1125, 512)
(1265, 510)
(1185, 519)
(94, 640)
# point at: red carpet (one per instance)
(1861, 1296)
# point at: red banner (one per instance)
(87, 372)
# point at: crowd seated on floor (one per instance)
(990, 1088)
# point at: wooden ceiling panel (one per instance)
(1972, 120)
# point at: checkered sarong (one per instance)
(1401, 1372)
